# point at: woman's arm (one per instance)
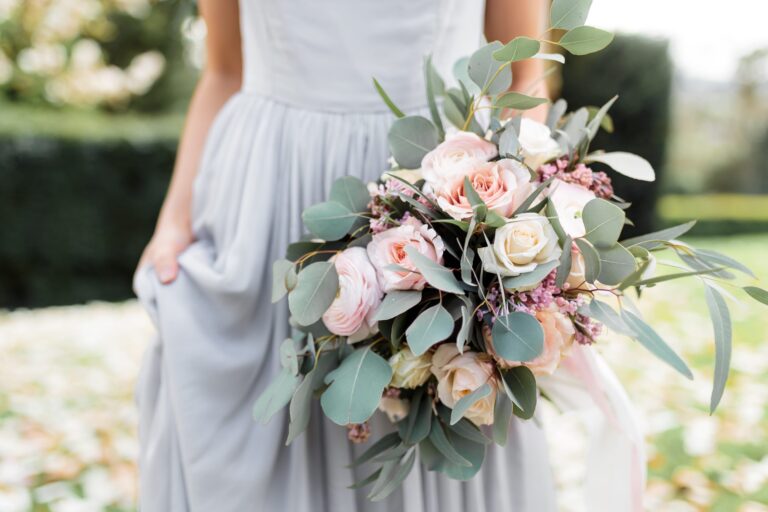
(220, 79)
(507, 19)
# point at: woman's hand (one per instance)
(169, 240)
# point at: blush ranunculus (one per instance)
(569, 200)
(520, 246)
(457, 155)
(359, 295)
(502, 185)
(559, 334)
(459, 375)
(393, 266)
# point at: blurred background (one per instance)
(92, 99)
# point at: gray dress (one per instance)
(307, 114)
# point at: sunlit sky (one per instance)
(707, 36)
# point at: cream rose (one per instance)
(408, 370)
(536, 143)
(502, 185)
(456, 156)
(559, 334)
(393, 266)
(351, 313)
(520, 245)
(569, 200)
(459, 375)
(395, 408)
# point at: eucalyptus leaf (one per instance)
(509, 144)
(520, 384)
(597, 120)
(716, 258)
(315, 290)
(435, 87)
(678, 275)
(628, 164)
(410, 139)
(355, 387)
(616, 263)
(471, 451)
(603, 222)
(478, 206)
(416, 426)
(524, 282)
(569, 14)
(528, 202)
(435, 274)
(518, 336)
(301, 403)
(276, 396)
(329, 220)
(486, 72)
(397, 302)
(352, 193)
(465, 402)
(585, 40)
(397, 478)
(280, 269)
(439, 439)
(653, 240)
(592, 263)
(467, 319)
(520, 48)
(289, 357)
(502, 413)
(654, 343)
(758, 294)
(556, 111)
(518, 101)
(721, 323)
(566, 261)
(432, 325)
(385, 443)
(387, 100)
(607, 316)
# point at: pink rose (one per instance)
(502, 185)
(359, 295)
(459, 375)
(559, 334)
(569, 200)
(387, 253)
(456, 156)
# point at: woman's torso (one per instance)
(323, 54)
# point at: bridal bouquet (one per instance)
(440, 293)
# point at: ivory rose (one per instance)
(351, 313)
(520, 245)
(393, 266)
(502, 185)
(456, 156)
(408, 370)
(559, 334)
(459, 375)
(395, 408)
(569, 200)
(536, 143)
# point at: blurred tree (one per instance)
(640, 70)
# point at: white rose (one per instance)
(521, 245)
(408, 370)
(395, 408)
(569, 200)
(537, 143)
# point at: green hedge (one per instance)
(77, 216)
(640, 71)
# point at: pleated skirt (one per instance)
(218, 334)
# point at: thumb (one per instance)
(167, 268)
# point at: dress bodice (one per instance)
(323, 54)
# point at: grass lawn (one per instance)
(67, 436)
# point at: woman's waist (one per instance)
(351, 95)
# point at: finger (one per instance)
(166, 267)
